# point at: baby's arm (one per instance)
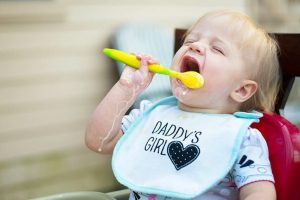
(252, 171)
(262, 190)
(104, 127)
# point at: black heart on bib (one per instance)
(180, 156)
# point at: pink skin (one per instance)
(135, 81)
(141, 78)
(215, 51)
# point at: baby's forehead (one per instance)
(227, 21)
(215, 32)
(230, 28)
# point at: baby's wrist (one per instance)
(125, 82)
(132, 86)
(127, 88)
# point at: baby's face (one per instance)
(211, 49)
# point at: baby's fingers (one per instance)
(150, 59)
(145, 61)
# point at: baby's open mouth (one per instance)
(190, 64)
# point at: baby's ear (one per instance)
(244, 91)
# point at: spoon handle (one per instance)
(132, 61)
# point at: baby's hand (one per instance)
(138, 78)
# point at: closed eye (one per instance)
(218, 50)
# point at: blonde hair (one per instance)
(259, 51)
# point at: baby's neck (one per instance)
(206, 110)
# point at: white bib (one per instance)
(178, 154)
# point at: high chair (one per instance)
(282, 137)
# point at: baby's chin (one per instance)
(180, 91)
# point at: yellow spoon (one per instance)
(190, 79)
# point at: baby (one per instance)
(197, 144)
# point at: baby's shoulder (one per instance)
(145, 104)
(254, 138)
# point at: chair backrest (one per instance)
(282, 137)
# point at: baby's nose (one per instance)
(198, 48)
